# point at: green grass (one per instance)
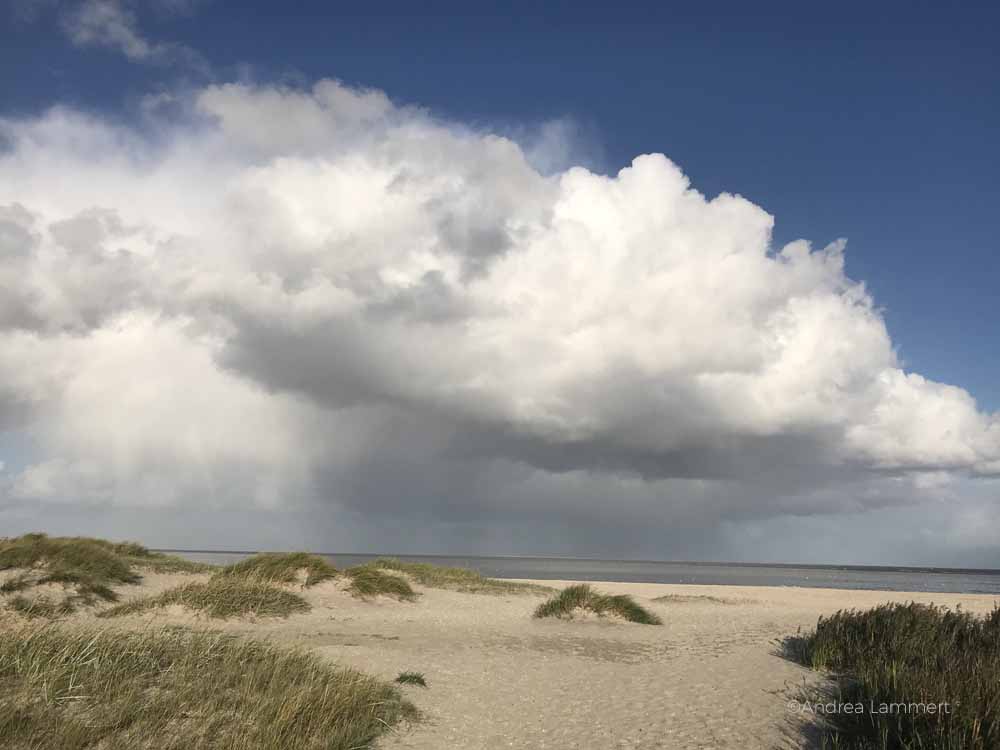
(908, 653)
(283, 567)
(221, 597)
(86, 568)
(92, 559)
(157, 562)
(76, 688)
(412, 678)
(41, 606)
(583, 597)
(456, 579)
(368, 581)
(98, 557)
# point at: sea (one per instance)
(950, 580)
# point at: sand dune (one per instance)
(707, 678)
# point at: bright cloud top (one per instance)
(259, 295)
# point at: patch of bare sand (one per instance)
(707, 678)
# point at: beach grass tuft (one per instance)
(283, 567)
(583, 597)
(457, 579)
(70, 688)
(86, 559)
(220, 597)
(368, 581)
(906, 657)
(412, 678)
(86, 569)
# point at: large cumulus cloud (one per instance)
(270, 297)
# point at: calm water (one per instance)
(819, 576)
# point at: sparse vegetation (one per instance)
(457, 579)
(903, 654)
(584, 597)
(221, 597)
(41, 606)
(412, 678)
(75, 688)
(694, 599)
(157, 562)
(368, 581)
(90, 559)
(85, 568)
(108, 562)
(283, 567)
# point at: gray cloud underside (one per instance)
(276, 299)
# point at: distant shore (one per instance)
(875, 578)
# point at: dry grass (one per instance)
(368, 581)
(85, 568)
(902, 654)
(457, 579)
(583, 597)
(283, 567)
(67, 688)
(221, 597)
(412, 678)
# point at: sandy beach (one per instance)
(497, 678)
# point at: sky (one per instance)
(634, 282)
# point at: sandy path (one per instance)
(708, 678)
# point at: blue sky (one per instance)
(278, 264)
(877, 124)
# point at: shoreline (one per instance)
(654, 589)
(742, 574)
(924, 569)
(711, 673)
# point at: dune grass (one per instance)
(283, 567)
(412, 678)
(583, 597)
(42, 606)
(908, 654)
(65, 688)
(86, 569)
(107, 561)
(368, 581)
(457, 579)
(91, 559)
(220, 597)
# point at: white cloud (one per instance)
(317, 294)
(113, 24)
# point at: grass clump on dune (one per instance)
(283, 567)
(903, 654)
(221, 597)
(412, 678)
(92, 559)
(85, 568)
(583, 597)
(457, 579)
(76, 688)
(42, 606)
(107, 561)
(368, 581)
